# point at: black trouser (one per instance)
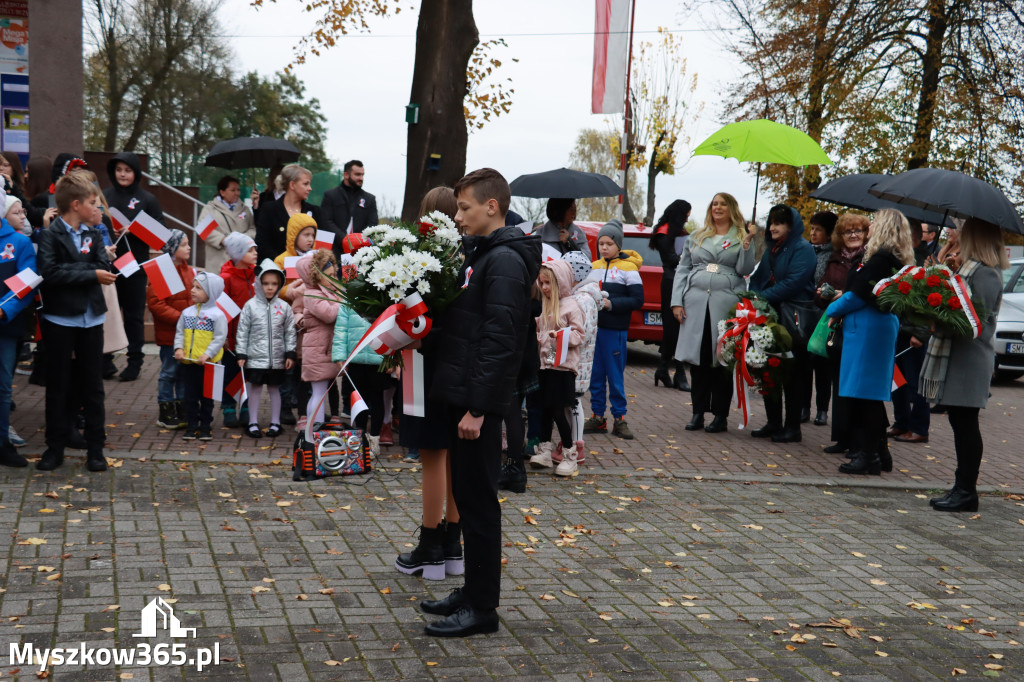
(198, 408)
(556, 417)
(820, 375)
(840, 407)
(515, 430)
(792, 393)
(74, 357)
(131, 294)
(669, 323)
(475, 468)
(710, 384)
(371, 383)
(867, 425)
(910, 411)
(968, 444)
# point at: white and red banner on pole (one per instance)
(324, 240)
(149, 230)
(290, 272)
(127, 265)
(611, 54)
(358, 405)
(228, 306)
(236, 388)
(22, 284)
(163, 276)
(119, 220)
(206, 227)
(898, 380)
(213, 381)
(561, 346)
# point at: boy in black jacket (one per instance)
(483, 338)
(73, 265)
(125, 195)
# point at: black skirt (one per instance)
(264, 377)
(557, 389)
(429, 432)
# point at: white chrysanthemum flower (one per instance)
(378, 279)
(447, 235)
(755, 358)
(723, 326)
(396, 295)
(423, 286)
(440, 220)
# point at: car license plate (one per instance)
(1015, 348)
(654, 320)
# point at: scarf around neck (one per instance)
(932, 383)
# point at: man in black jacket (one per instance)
(125, 173)
(483, 338)
(348, 207)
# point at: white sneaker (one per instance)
(568, 466)
(542, 458)
(374, 445)
(16, 440)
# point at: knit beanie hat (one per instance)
(10, 201)
(613, 230)
(580, 264)
(237, 244)
(173, 242)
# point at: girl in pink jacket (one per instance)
(559, 335)
(319, 313)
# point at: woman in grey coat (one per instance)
(710, 272)
(957, 370)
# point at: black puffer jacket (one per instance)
(131, 201)
(485, 329)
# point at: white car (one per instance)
(1009, 339)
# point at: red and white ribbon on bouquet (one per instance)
(885, 282)
(398, 326)
(746, 315)
(959, 287)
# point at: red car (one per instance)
(645, 324)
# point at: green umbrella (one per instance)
(763, 141)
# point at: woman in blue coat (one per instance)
(869, 343)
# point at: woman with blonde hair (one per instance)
(957, 370)
(272, 222)
(711, 268)
(869, 343)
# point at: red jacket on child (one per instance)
(238, 284)
(166, 311)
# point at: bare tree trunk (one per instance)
(652, 176)
(931, 68)
(446, 36)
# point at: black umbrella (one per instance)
(953, 193)
(252, 152)
(852, 191)
(564, 183)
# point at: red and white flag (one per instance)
(561, 346)
(358, 405)
(611, 48)
(289, 267)
(146, 228)
(127, 265)
(205, 228)
(119, 220)
(324, 240)
(414, 401)
(236, 389)
(22, 284)
(898, 381)
(213, 381)
(163, 276)
(228, 306)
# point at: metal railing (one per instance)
(197, 206)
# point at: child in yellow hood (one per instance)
(299, 240)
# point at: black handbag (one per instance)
(799, 318)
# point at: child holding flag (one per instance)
(320, 313)
(559, 335)
(299, 240)
(199, 338)
(239, 275)
(265, 346)
(17, 255)
(170, 392)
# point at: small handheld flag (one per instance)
(289, 267)
(324, 240)
(898, 381)
(22, 284)
(561, 346)
(236, 388)
(127, 265)
(358, 405)
(205, 228)
(119, 220)
(228, 306)
(213, 381)
(146, 228)
(163, 276)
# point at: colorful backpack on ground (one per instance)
(335, 450)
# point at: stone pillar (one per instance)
(55, 74)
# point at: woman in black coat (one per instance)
(272, 220)
(669, 240)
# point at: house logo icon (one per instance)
(158, 611)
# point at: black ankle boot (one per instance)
(662, 375)
(427, 557)
(936, 500)
(766, 431)
(862, 464)
(679, 380)
(717, 425)
(696, 423)
(513, 475)
(454, 564)
(959, 499)
(837, 448)
(790, 434)
(884, 456)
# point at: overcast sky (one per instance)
(363, 85)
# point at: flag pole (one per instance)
(623, 145)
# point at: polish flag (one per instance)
(324, 240)
(228, 306)
(22, 284)
(611, 52)
(898, 381)
(213, 381)
(236, 389)
(289, 267)
(146, 228)
(204, 229)
(163, 276)
(119, 220)
(561, 346)
(358, 405)
(127, 265)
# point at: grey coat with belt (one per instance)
(701, 290)
(971, 361)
